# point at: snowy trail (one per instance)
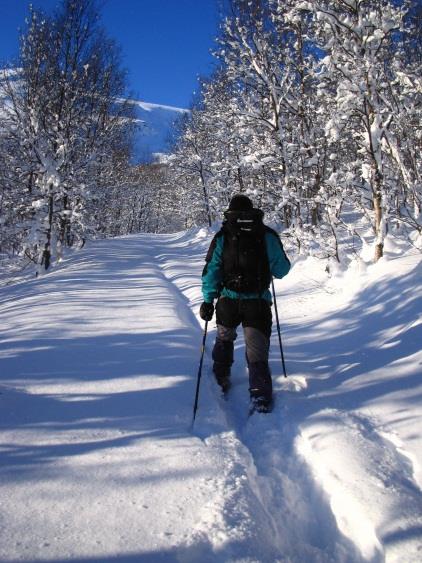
(98, 459)
(252, 475)
(95, 457)
(334, 468)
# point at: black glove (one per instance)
(206, 311)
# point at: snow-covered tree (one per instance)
(190, 165)
(365, 76)
(65, 119)
(313, 112)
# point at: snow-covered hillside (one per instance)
(155, 124)
(155, 128)
(99, 460)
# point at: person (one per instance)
(241, 260)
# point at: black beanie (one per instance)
(240, 202)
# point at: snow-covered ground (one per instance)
(99, 460)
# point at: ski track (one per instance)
(259, 489)
(291, 490)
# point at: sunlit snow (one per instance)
(99, 460)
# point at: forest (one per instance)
(313, 110)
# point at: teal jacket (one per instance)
(212, 276)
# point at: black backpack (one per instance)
(245, 262)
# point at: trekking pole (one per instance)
(278, 329)
(195, 406)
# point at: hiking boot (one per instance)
(260, 384)
(260, 403)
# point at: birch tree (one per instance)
(65, 120)
(363, 61)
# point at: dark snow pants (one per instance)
(256, 319)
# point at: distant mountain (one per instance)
(156, 125)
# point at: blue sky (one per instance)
(165, 43)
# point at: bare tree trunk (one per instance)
(64, 222)
(46, 257)
(240, 179)
(379, 226)
(207, 205)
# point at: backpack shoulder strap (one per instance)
(213, 244)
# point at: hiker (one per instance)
(241, 260)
